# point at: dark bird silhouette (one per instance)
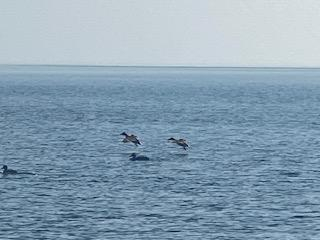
(7, 171)
(130, 138)
(181, 142)
(135, 157)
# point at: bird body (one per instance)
(7, 171)
(181, 142)
(130, 138)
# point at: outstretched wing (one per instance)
(136, 141)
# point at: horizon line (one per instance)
(158, 66)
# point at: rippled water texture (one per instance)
(252, 170)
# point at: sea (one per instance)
(252, 170)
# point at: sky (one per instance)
(218, 33)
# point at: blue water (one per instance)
(252, 170)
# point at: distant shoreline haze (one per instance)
(154, 66)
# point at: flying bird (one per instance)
(181, 142)
(130, 138)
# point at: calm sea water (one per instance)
(252, 171)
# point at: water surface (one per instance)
(252, 171)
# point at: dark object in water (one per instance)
(135, 157)
(7, 171)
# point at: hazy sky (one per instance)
(161, 32)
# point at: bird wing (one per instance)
(134, 139)
(183, 144)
